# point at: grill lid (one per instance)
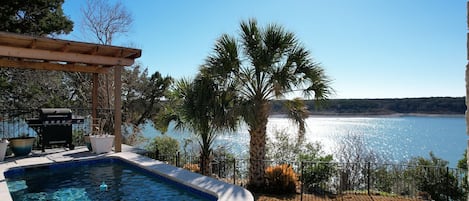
(48, 111)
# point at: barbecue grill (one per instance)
(54, 126)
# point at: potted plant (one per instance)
(3, 148)
(22, 145)
(100, 142)
(17, 131)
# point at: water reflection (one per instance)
(396, 138)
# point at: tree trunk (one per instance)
(301, 134)
(257, 149)
(205, 165)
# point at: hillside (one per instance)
(433, 105)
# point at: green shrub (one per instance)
(382, 179)
(462, 164)
(282, 147)
(167, 146)
(78, 137)
(432, 176)
(317, 174)
(317, 167)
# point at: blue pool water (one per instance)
(82, 181)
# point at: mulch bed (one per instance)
(346, 197)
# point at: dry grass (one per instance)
(347, 197)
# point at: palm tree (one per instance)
(200, 107)
(297, 111)
(266, 64)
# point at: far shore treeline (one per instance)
(430, 106)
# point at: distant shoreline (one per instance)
(432, 106)
(332, 115)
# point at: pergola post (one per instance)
(117, 108)
(94, 96)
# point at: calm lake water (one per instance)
(398, 138)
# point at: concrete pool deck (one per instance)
(222, 190)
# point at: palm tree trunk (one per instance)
(301, 134)
(205, 154)
(205, 164)
(257, 150)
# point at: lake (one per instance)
(399, 138)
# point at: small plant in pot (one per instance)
(100, 142)
(22, 145)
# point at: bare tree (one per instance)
(105, 21)
(354, 153)
(102, 22)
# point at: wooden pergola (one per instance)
(40, 53)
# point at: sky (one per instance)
(368, 48)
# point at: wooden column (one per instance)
(94, 96)
(117, 108)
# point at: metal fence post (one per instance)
(447, 182)
(157, 154)
(219, 167)
(177, 158)
(302, 180)
(368, 177)
(234, 171)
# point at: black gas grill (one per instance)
(54, 126)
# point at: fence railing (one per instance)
(13, 123)
(319, 180)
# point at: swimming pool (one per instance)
(84, 180)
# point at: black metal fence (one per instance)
(13, 123)
(323, 181)
(312, 180)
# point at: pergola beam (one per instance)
(52, 66)
(27, 53)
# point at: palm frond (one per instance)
(298, 112)
(224, 59)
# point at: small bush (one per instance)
(281, 179)
(167, 146)
(318, 168)
(192, 167)
(78, 137)
(431, 175)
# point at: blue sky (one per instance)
(369, 48)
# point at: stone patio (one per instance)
(222, 190)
